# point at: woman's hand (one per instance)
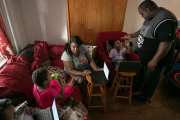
(86, 72)
(71, 82)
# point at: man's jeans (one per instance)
(148, 80)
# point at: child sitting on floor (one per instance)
(46, 90)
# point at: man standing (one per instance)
(155, 44)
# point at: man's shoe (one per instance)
(143, 99)
(137, 93)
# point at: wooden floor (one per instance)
(165, 105)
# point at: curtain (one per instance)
(5, 46)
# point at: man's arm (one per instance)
(162, 51)
(130, 36)
(134, 35)
(165, 34)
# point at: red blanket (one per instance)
(15, 77)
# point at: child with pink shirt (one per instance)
(45, 90)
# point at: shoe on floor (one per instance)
(143, 99)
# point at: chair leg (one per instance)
(89, 100)
(114, 81)
(130, 90)
(91, 88)
(115, 92)
(103, 97)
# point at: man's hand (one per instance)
(152, 65)
(126, 37)
(130, 36)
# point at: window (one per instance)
(5, 46)
(2, 60)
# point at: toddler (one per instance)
(117, 53)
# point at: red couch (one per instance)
(15, 75)
(44, 52)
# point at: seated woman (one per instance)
(78, 63)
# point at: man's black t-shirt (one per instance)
(164, 33)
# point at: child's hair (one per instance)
(77, 39)
(111, 43)
(67, 47)
(39, 76)
(4, 104)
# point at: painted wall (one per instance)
(14, 25)
(133, 20)
(38, 20)
(47, 19)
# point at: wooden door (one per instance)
(88, 17)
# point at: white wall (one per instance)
(38, 20)
(133, 20)
(172, 5)
(30, 20)
(45, 20)
(12, 16)
(57, 21)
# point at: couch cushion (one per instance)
(41, 54)
(55, 52)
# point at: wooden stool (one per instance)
(116, 79)
(123, 85)
(100, 92)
